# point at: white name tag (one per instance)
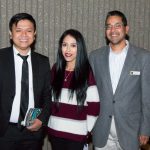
(135, 73)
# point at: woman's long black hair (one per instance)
(81, 71)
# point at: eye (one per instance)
(29, 30)
(18, 30)
(108, 27)
(64, 44)
(74, 45)
(115, 26)
(118, 26)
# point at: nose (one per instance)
(68, 48)
(24, 33)
(113, 28)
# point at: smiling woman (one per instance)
(69, 51)
(75, 96)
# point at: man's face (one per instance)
(23, 35)
(115, 30)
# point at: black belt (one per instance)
(13, 124)
(16, 125)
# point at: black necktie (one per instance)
(24, 89)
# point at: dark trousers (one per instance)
(65, 144)
(16, 139)
(20, 145)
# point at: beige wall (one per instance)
(55, 16)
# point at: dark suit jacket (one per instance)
(41, 85)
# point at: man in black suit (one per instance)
(14, 135)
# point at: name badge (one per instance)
(135, 73)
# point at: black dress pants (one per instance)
(15, 139)
(65, 144)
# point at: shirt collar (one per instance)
(124, 50)
(17, 52)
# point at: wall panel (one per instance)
(54, 16)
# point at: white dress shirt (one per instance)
(18, 74)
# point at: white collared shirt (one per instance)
(116, 63)
(18, 74)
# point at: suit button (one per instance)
(110, 116)
(114, 101)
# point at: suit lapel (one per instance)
(105, 69)
(10, 67)
(129, 61)
(35, 70)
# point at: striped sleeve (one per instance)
(93, 103)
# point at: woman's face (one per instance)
(69, 50)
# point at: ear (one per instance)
(127, 29)
(35, 35)
(10, 34)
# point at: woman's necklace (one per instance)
(67, 76)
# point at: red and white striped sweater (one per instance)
(67, 122)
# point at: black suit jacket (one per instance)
(41, 85)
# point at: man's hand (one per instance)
(143, 139)
(37, 124)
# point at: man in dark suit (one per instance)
(14, 135)
(122, 73)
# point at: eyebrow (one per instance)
(71, 43)
(115, 23)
